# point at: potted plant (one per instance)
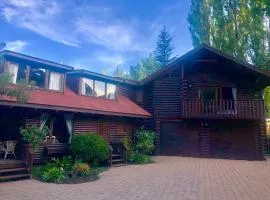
(34, 135)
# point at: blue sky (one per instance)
(94, 35)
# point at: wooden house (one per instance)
(203, 104)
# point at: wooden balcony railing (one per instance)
(242, 109)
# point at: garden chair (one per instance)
(9, 148)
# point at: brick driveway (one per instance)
(168, 178)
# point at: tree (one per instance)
(164, 48)
(119, 72)
(20, 92)
(236, 27)
(144, 68)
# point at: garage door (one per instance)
(176, 139)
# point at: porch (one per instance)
(223, 109)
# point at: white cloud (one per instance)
(39, 16)
(17, 45)
(74, 25)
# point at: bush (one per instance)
(66, 163)
(139, 158)
(90, 148)
(34, 135)
(127, 142)
(144, 141)
(81, 169)
(52, 174)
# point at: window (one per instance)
(12, 68)
(38, 76)
(87, 86)
(21, 75)
(111, 91)
(99, 89)
(55, 81)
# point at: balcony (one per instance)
(224, 109)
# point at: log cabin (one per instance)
(203, 104)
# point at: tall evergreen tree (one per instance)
(119, 72)
(164, 48)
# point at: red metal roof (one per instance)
(70, 101)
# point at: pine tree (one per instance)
(164, 48)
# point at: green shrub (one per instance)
(34, 135)
(90, 148)
(144, 141)
(81, 169)
(138, 158)
(52, 174)
(66, 163)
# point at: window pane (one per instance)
(38, 76)
(21, 73)
(111, 90)
(55, 81)
(12, 68)
(87, 86)
(99, 89)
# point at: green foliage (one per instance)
(119, 72)
(127, 142)
(52, 174)
(81, 169)
(90, 148)
(235, 27)
(145, 141)
(144, 68)
(139, 158)
(164, 48)
(66, 163)
(34, 135)
(20, 92)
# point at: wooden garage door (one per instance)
(177, 139)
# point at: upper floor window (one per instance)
(96, 88)
(217, 93)
(111, 91)
(55, 81)
(38, 76)
(43, 78)
(12, 68)
(87, 87)
(99, 89)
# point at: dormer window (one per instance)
(87, 87)
(55, 81)
(111, 91)
(38, 76)
(42, 77)
(97, 88)
(12, 68)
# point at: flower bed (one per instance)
(66, 171)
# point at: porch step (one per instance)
(119, 165)
(14, 177)
(117, 160)
(115, 155)
(13, 170)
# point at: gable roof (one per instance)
(70, 101)
(196, 51)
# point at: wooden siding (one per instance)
(113, 130)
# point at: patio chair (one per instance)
(9, 148)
